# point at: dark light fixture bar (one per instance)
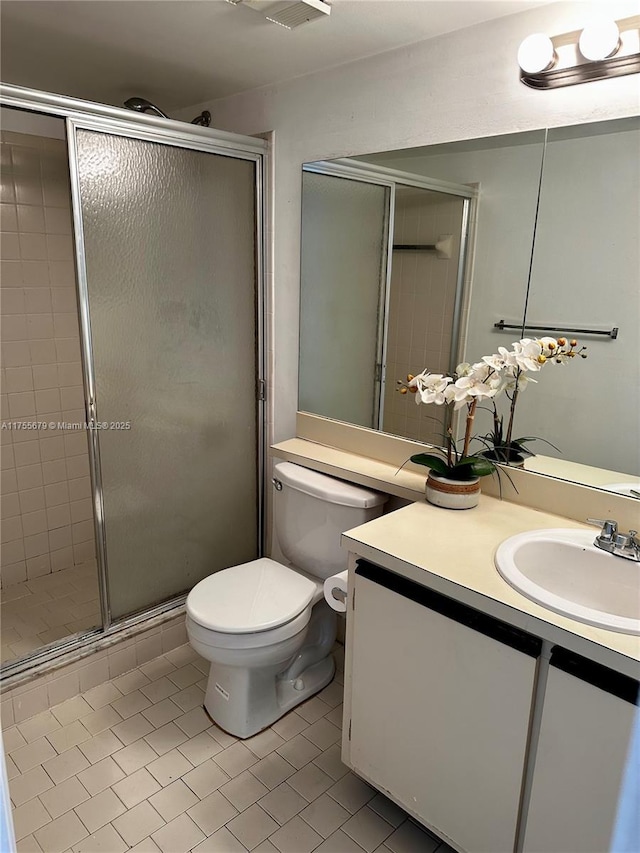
(610, 333)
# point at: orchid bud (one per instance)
(409, 377)
(402, 390)
(542, 359)
(573, 343)
(562, 342)
(413, 389)
(583, 355)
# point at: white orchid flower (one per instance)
(527, 354)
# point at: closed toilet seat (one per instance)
(252, 605)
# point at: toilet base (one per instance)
(248, 719)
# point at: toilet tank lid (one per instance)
(251, 597)
(326, 488)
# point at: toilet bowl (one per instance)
(265, 627)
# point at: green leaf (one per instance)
(430, 461)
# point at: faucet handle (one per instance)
(609, 526)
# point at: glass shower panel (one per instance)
(169, 238)
(343, 274)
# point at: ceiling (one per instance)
(182, 52)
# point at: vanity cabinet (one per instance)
(586, 726)
(441, 699)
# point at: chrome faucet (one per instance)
(619, 544)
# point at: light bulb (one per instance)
(536, 53)
(599, 39)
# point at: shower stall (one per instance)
(132, 356)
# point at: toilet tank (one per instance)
(312, 510)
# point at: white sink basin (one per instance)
(623, 489)
(564, 571)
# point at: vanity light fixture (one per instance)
(603, 49)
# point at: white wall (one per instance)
(458, 86)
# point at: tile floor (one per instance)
(136, 764)
(48, 608)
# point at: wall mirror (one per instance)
(428, 256)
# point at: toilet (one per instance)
(264, 626)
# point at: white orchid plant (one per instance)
(505, 371)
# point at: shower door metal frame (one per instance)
(96, 117)
(370, 173)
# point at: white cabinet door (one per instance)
(441, 698)
(584, 736)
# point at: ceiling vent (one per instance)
(290, 13)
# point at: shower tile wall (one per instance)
(421, 306)
(47, 521)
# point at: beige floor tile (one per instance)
(367, 829)
(243, 790)
(28, 844)
(339, 843)
(28, 785)
(332, 694)
(212, 812)
(158, 690)
(290, 725)
(130, 704)
(194, 721)
(388, 810)
(185, 676)
(252, 826)
(31, 754)
(157, 668)
(325, 815)
(12, 770)
(68, 764)
(272, 770)
(189, 698)
(322, 733)
(105, 840)
(100, 746)
(313, 709)
(265, 847)
(61, 834)
(166, 738)
(100, 810)
(351, 792)
(205, 778)
(199, 748)
(147, 845)
(71, 710)
(331, 762)
(169, 767)
(65, 737)
(310, 782)
(335, 716)
(235, 759)
(63, 797)
(130, 681)
(411, 838)
(101, 775)
(39, 726)
(178, 836)
(132, 729)
(162, 712)
(29, 817)
(135, 788)
(101, 720)
(296, 836)
(13, 739)
(264, 743)
(283, 803)
(298, 751)
(102, 695)
(173, 800)
(224, 739)
(138, 823)
(134, 756)
(221, 841)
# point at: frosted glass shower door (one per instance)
(170, 255)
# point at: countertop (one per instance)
(452, 552)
